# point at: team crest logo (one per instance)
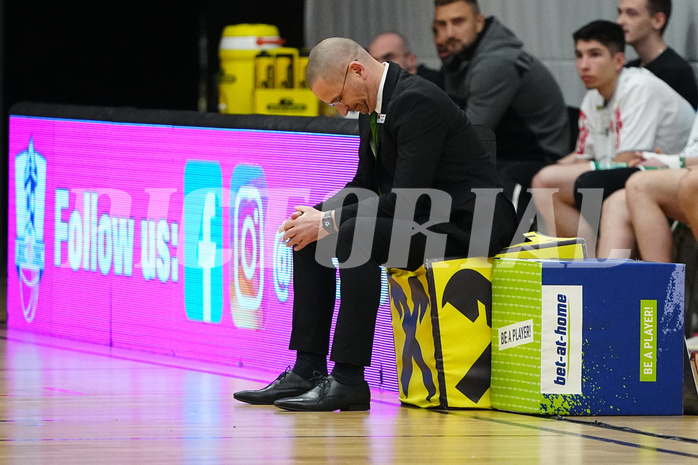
(30, 197)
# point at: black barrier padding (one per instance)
(321, 124)
(318, 124)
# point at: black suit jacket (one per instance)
(425, 142)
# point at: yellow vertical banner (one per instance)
(441, 318)
(410, 309)
(462, 309)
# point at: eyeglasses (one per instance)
(346, 73)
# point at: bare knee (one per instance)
(615, 205)
(688, 187)
(538, 180)
(544, 178)
(635, 185)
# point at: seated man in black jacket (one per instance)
(421, 168)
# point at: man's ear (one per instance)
(358, 68)
(658, 21)
(480, 21)
(619, 61)
(411, 61)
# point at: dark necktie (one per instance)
(374, 132)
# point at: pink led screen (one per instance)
(163, 238)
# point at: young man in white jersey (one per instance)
(634, 218)
(624, 111)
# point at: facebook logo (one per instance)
(203, 241)
(248, 201)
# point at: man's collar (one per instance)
(379, 98)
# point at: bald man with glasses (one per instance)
(417, 150)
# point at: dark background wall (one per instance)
(159, 54)
(146, 54)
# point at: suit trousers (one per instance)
(314, 287)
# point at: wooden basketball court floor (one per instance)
(66, 402)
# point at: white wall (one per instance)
(545, 27)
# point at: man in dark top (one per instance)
(501, 86)
(393, 46)
(414, 142)
(644, 23)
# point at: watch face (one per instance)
(327, 222)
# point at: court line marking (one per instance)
(587, 436)
(626, 429)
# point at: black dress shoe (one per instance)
(329, 395)
(288, 384)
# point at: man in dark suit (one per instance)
(419, 162)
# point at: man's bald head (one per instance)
(329, 60)
(342, 74)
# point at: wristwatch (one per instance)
(328, 222)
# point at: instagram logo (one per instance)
(248, 201)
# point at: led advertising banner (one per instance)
(163, 238)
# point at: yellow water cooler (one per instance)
(258, 75)
(239, 47)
